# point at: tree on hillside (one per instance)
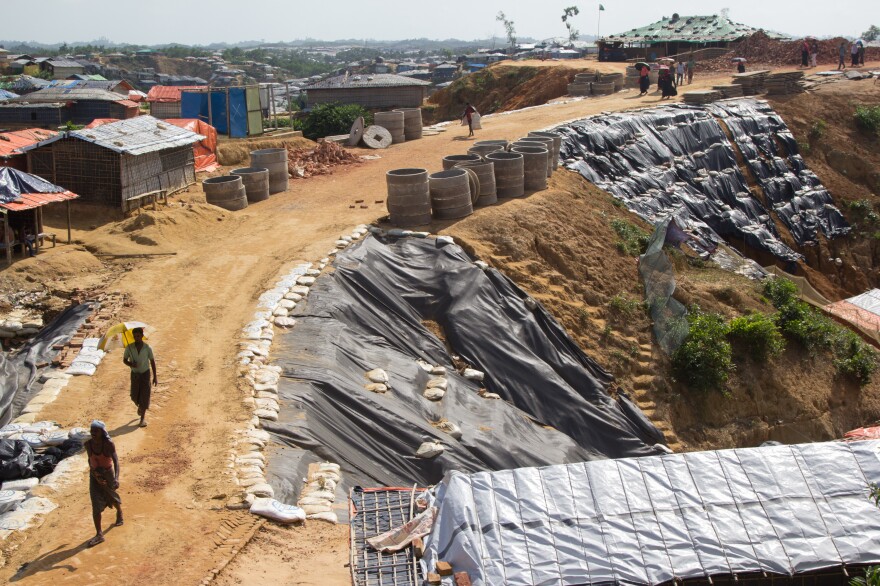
(872, 34)
(567, 15)
(508, 28)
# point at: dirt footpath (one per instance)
(174, 479)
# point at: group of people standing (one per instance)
(666, 81)
(809, 52)
(856, 52)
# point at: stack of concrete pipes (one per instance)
(491, 169)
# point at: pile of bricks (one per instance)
(304, 163)
(109, 306)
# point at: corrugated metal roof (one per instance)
(28, 201)
(369, 81)
(704, 29)
(11, 142)
(170, 93)
(63, 63)
(63, 94)
(138, 136)
(92, 84)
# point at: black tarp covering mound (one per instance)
(369, 314)
(677, 158)
(771, 152)
(18, 370)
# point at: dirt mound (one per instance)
(237, 153)
(502, 88)
(759, 49)
(847, 161)
(159, 232)
(560, 246)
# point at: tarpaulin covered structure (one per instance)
(233, 111)
(776, 510)
(863, 311)
(678, 159)
(374, 311)
(11, 142)
(204, 151)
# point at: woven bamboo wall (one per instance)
(165, 109)
(166, 170)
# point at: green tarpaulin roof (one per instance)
(688, 29)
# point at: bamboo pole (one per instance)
(6, 241)
(36, 247)
(68, 222)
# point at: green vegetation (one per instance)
(329, 119)
(633, 240)
(872, 573)
(872, 34)
(567, 15)
(623, 304)
(68, 126)
(817, 130)
(704, 362)
(867, 118)
(508, 28)
(757, 334)
(814, 331)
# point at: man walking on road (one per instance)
(139, 358)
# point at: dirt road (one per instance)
(174, 480)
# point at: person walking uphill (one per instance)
(841, 52)
(103, 477)
(468, 113)
(139, 358)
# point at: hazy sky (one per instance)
(207, 21)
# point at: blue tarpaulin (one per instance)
(235, 124)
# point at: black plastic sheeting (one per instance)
(771, 153)
(19, 460)
(678, 159)
(14, 182)
(369, 313)
(18, 370)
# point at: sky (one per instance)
(206, 21)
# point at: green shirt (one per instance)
(141, 359)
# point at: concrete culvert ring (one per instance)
(377, 137)
(357, 132)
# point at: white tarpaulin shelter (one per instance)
(776, 509)
(869, 301)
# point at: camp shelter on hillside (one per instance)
(119, 86)
(22, 197)
(78, 106)
(204, 151)
(61, 68)
(11, 142)
(15, 116)
(370, 91)
(164, 100)
(862, 311)
(674, 35)
(783, 514)
(118, 164)
(234, 111)
(24, 84)
(7, 95)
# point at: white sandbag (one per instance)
(91, 344)
(40, 427)
(376, 388)
(34, 439)
(306, 281)
(308, 501)
(301, 290)
(79, 433)
(450, 428)
(436, 382)
(429, 450)
(53, 374)
(10, 499)
(324, 494)
(266, 414)
(54, 438)
(433, 394)
(11, 428)
(377, 375)
(90, 356)
(277, 511)
(329, 467)
(287, 304)
(269, 404)
(295, 297)
(329, 516)
(314, 509)
(473, 374)
(279, 312)
(11, 325)
(426, 366)
(313, 273)
(444, 240)
(266, 395)
(265, 376)
(261, 490)
(438, 371)
(22, 484)
(250, 481)
(81, 368)
(36, 504)
(258, 434)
